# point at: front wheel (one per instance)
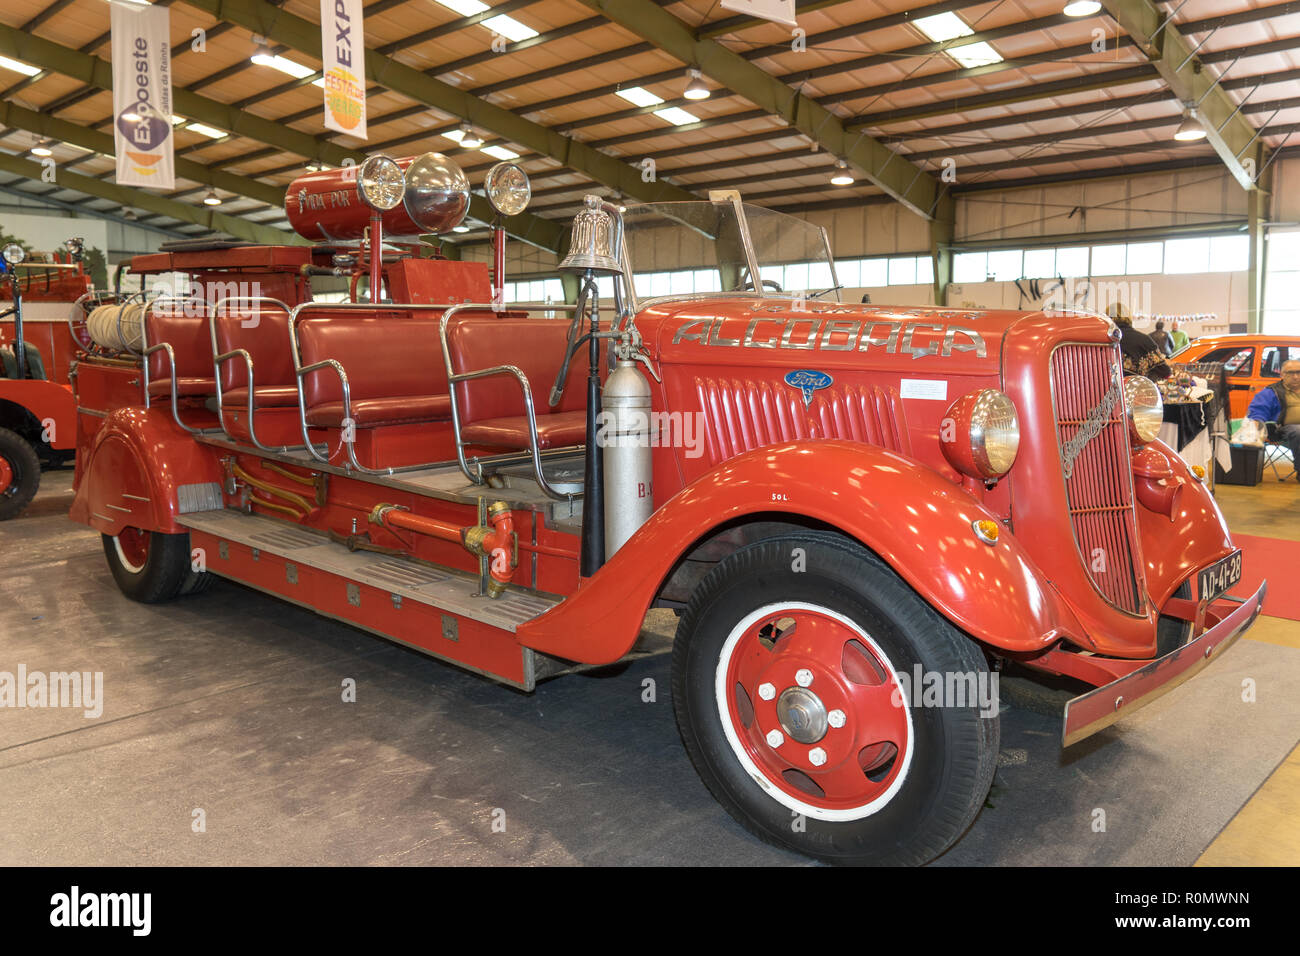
(20, 473)
(151, 567)
(792, 684)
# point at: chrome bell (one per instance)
(594, 244)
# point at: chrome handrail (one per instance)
(171, 361)
(248, 363)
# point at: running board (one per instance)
(405, 578)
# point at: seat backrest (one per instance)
(35, 365)
(534, 346)
(384, 356)
(189, 338)
(264, 334)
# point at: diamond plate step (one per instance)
(443, 588)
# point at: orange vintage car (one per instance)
(1251, 361)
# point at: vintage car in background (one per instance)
(1251, 362)
(842, 501)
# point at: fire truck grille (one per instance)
(743, 415)
(1092, 432)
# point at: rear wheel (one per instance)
(791, 684)
(151, 567)
(20, 473)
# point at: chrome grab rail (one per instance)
(171, 361)
(217, 361)
(301, 372)
(454, 378)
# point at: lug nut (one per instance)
(775, 738)
(803, 677)
(766, 691)
(817, 756)
(835, 718)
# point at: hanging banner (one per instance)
(778, 11)
(344, 55)
(142, 95)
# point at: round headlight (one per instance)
(980, 434)
(380, 183)
(508, 189)
(14, 254)
(1146, 409)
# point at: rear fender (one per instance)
(50, 404)
(913, 518)
(138, 462)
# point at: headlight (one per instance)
(980, 434)
(1146, 409)
(14, 254)
(380, 183)
(508, 189)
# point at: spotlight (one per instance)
(841, 176)
(470, 139)
(695, 87)
(1081, 8)
(1190, 129)
(42, 148)
(211, 198)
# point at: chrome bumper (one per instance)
(1099, 708)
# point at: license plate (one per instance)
(1219, 577)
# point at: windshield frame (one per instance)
(732, 198)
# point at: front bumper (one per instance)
(1099, 708)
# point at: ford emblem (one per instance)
(808, 381)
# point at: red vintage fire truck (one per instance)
(839, 500)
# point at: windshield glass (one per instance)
(687, 248)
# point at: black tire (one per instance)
(953, 752)
(25, 469)
(196, 582)
(156, 577)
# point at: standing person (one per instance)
(1164, 342)
(1280, 403)
(1181, 341)
(1141, 356)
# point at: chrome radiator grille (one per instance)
(1092, 433)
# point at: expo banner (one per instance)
(142, 95)
(344, 54)
(778, 11)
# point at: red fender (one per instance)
(913, 518)
(1188, 535)
(49, 402)
(138, 462)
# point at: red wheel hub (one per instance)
(133, 545)
(6, 474)
(816, 707)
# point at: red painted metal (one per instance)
(6, 474)
(498, 266)
(51, 404)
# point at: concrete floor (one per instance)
(227, 707)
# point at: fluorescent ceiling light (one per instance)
(975, 54)
(943, 26)
(677, 116)
(178, 120)
(460, 228)
(500, 152)
(466, 8)
(283, 64)
(26, 69)
(510, 28)
(639, 97)
(207, 131)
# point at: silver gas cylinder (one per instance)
(624, 434)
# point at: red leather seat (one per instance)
(264, 396)
(492, 410)
(394, 364)
(191, 344)
(264, 335)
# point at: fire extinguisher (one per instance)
(626, 439)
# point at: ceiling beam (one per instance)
(305, 36)
(911, 186)
(98, 73)
(76, 209)
(130, 197)
(1237, 143)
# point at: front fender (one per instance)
(913, 518)
(138, 462)
(50, 403)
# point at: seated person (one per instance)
(1280, 403)
(1141, 355)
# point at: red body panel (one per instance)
(51, 403)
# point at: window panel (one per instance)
(970, 266)
(849, 272)
(1145, 258)
(681, 283)
(875, 272)
(1108, 260)
(1040, 263)
(1229, 253)
(796, 277)
(1184, 256)
(902, 271)
(1072, 261)
(924, 270)
(1006, 265)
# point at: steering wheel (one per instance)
(747, 285)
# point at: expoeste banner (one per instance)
(344, 55)
(778, 11)
(142, 95)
